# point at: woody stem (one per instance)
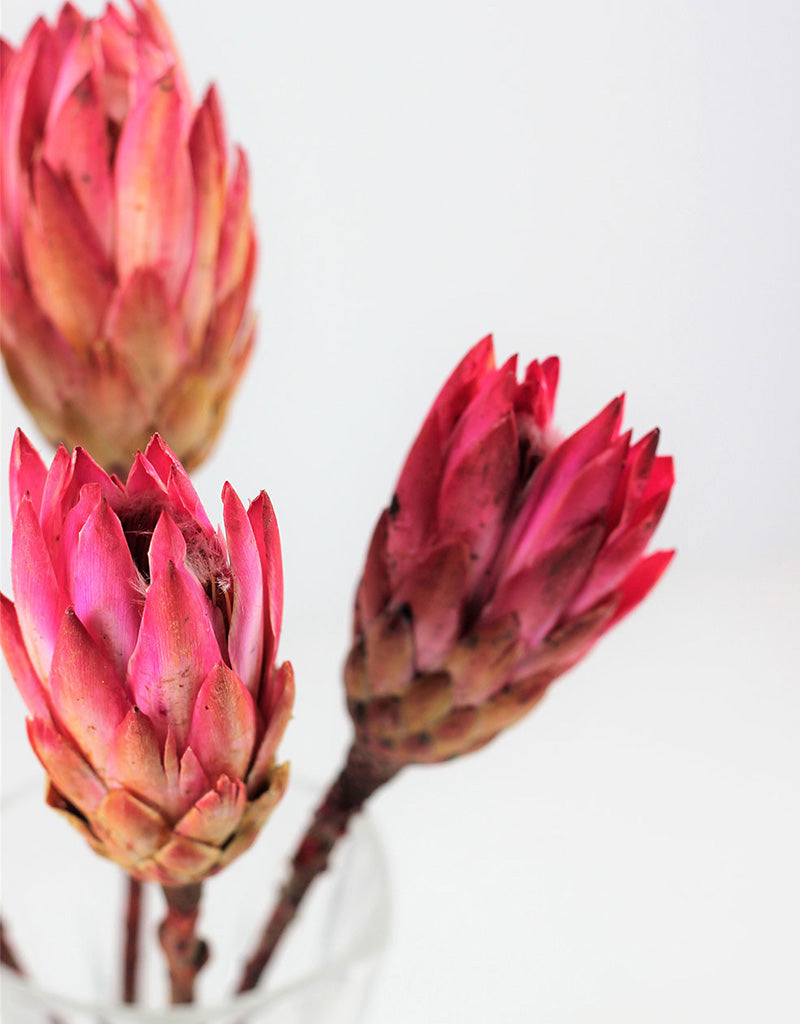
(358, 780)
(133, 920)
(185, 952)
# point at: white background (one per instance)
(617, 183)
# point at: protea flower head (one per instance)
(505, 554)
(143, 643)
(127, 249)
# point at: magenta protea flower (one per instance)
(143, 643)
(127, 250)
(505, 554)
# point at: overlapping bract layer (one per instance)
(143, 643)
(127, 250)
(505, 554)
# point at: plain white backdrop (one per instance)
(616, 183)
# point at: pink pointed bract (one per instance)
(504, 555)
(127, 250)
(143, 643)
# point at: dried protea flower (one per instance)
(143, 643)
(127, 250)
(505, 554)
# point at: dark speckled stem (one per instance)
(358, 780)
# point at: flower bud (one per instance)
(143, 643)
(127, 250)
(506, 552)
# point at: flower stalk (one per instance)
(133, 921)
(185, 952)
(361, 776)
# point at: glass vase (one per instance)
(63, 908)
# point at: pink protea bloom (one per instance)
(127, 250)
(505, 554)
(143, 643)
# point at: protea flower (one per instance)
(505, 554)
(143, 643)
(127, 250)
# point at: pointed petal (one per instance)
(56, 483)
(39, 601)
(84, 470)
(586, 500)
(413, 507)
(192, 781)
(87, 694)
(246, 634)
(552, 480)
(276, 726)
(207, 152)
(105, 587)
(69, 529)
(144, 480)
(146, 331)
(436, 593)
(153, 24)
(633, 481)
(77, 147)
(22, 672)
(214, 817)
(16, 80)
(182, 492)
(265, 530)
(161, 457)
(463, 384)
(639, 582)
(230, 321)
(540, 595)
(223, 728)
(27, 474)
(662, 477)
(166, 545)
(568, 643)
(75, 63)
(43, 367)
(175, 652)
(620, 554)
(154, 187)
(475, 493)
(134, 759)
(235, 237)
(256, 814)
(69, 772)
(70, 276)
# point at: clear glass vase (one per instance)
(63, 907)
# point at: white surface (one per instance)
(617, 183)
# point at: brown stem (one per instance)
(133, 922)
(358, 780)
(8, 955)
(185, 952)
